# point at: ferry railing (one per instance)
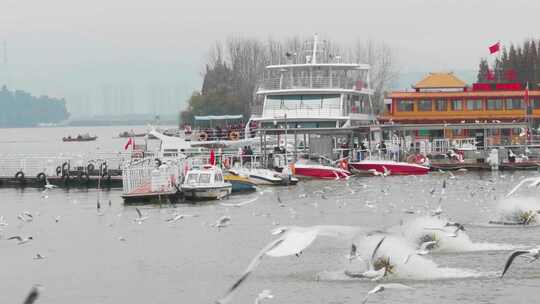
(146, 171)
(327, 110)
(318, 82)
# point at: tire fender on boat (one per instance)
(19, 175)
(41, 177)
(203, 136)
(65, 168)
(90, 167)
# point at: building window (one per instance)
(494, 104)
(514, 104)
(405, 106)
(474, 105)
(441, 105)
(424, 105)
(456, 105)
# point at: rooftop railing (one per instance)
(285, 83)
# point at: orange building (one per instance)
(444, 98)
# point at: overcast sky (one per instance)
(62, 47)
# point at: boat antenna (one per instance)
(315, 41)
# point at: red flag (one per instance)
(495, 48)
(130, 142)
(212, 158)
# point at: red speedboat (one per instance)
(314, 170)
(395, 168)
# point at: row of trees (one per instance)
(515, 64)
(21, 109)
(234, 68)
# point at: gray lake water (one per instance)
(191, 262)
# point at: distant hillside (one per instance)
(21, 109)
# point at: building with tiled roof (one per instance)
(440, 81)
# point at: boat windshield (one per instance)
(192, 178)
(204, 178)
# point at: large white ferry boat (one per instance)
(314, 89)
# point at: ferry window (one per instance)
(494, 104)
(292, 102)
(514, 104)
(192, 178)
(311, 101)
(204, 178)
(441, 105)
(474, 105)
(457, 105)
(273, 102)
(536, 103)
(331, 101)
(424, 105)
(405, 106)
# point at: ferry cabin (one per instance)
(314, 90)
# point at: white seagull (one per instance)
(2, 221)
(424, 249)
(383, 287)
(263, 295)
(533, 182)
(178, 217)
(385, 173)
(21, 240)
(49, 186)
(370, 273)
(292, 240)
(140, 218)
(533, 255)
(222, 222)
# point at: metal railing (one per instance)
(328, 111)
(336, 82)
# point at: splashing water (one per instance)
(520, 210)
(425, 228)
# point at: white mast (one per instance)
(315, 41)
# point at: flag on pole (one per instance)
(212, 160)
(495, 48)
(130, 142)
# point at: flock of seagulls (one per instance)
(293, 240)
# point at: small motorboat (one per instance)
(205, 183)
(268, 177)
(127, 134)
(394, 167)
(308, 169)
(240, 183)
(84, 137)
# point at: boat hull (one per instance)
(206, 193)
(396, 168)
(240, 183)
(320, 172)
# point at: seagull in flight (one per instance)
(49, 186)
(383, 287)
(453, 234)
(263, 295)
(533, 182)
(21, 240)
(222, 222)
(39, 256)
(33, 295)
(385, 173)
(25, 216)
(532, 254)
(370, 273)
(140, 218)
(292, 240)
(178, 217)
(424, 249)
(2, 221)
